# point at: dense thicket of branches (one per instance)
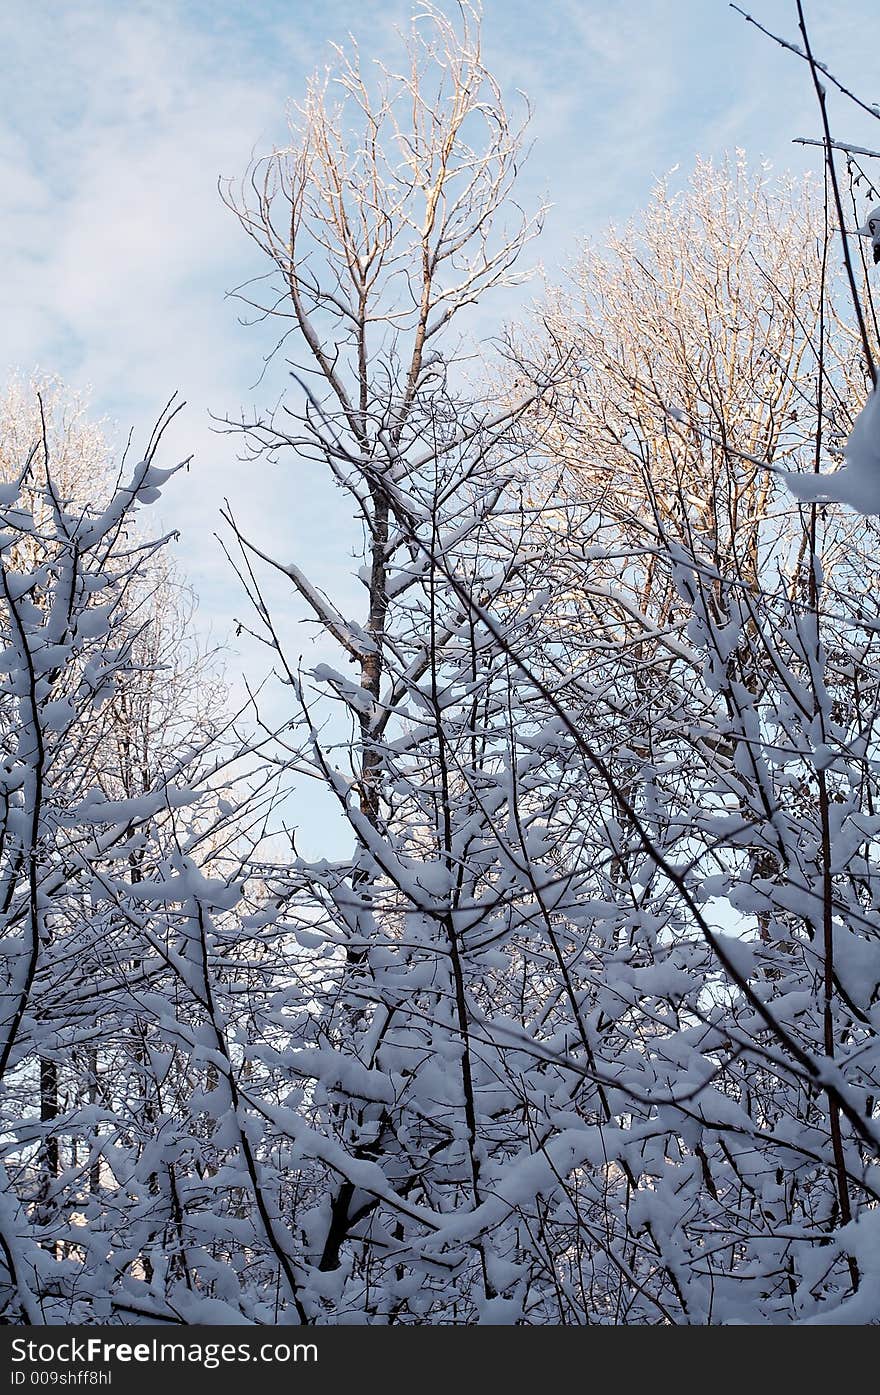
(583, 1029)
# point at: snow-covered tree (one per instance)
(105, 793)
(570, 1043)
(581, 1028)
(728, 668)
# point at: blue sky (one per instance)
(118, 116)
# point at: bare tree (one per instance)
(383, 221)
